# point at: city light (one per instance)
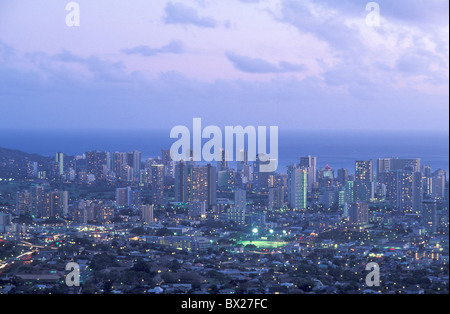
(232, 148)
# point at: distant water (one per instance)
(339, 149)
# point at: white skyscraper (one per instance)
(297, 187)
(237, 212)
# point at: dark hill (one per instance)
(17, 155)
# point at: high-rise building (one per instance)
(199, 184)
(181, 175)
(237, 212)
(328, 198)
(136, 164)
(136, 197)
(427, 181)
(417, 196)
(364, 170)
(37, 199)
(91, 162)
(119, 163)
(133, 165)
(5, 222)
(211, 185)
(80, 212)
(97, 164)
(223, 165)
(341, 197)
(386, 165)
(349, 189)
(165, 157)
(196, 183)
(166, 160)
(64, 203)
(342, 176)
(261, 178)
(243, 160)
(147, 214)
(325, 177)
(438, 184)
(310, 164)
(247, 173)
(158, 184)
(104, 212)
(383, 165)
(364, 187)
(364, 191)
(426, 171)
(123, 197)
(359, 213)
(404, 188)
(59, 158)
(226, 179)
(429, 215)
(402, 163)
(297, 187)
(276, 197)
(55, 204)
(23, 202)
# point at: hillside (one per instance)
(17, 155)
(17, 164)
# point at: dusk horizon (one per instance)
(189, 59)
(215, 155)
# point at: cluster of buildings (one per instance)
(401, 184)
(394, 209)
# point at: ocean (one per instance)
(338, 149)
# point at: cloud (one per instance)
(398, 53)
(77, 68)
(249, 1)
(178, 13)
(418, 12)
(323, 21)
(174, 46)
(63, 99)
(255, 65)
(357, 77)
(287, 102)
(67, 56)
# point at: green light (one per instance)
(255, 230)
(271, 230)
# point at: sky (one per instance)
(296, 64)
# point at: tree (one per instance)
(305, 284)
(102, 261)
(107, 287)
(141, 266)
(174, 265)
(213, 289)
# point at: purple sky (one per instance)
(291, 63)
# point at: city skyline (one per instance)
(121, 215)
(240, 148)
